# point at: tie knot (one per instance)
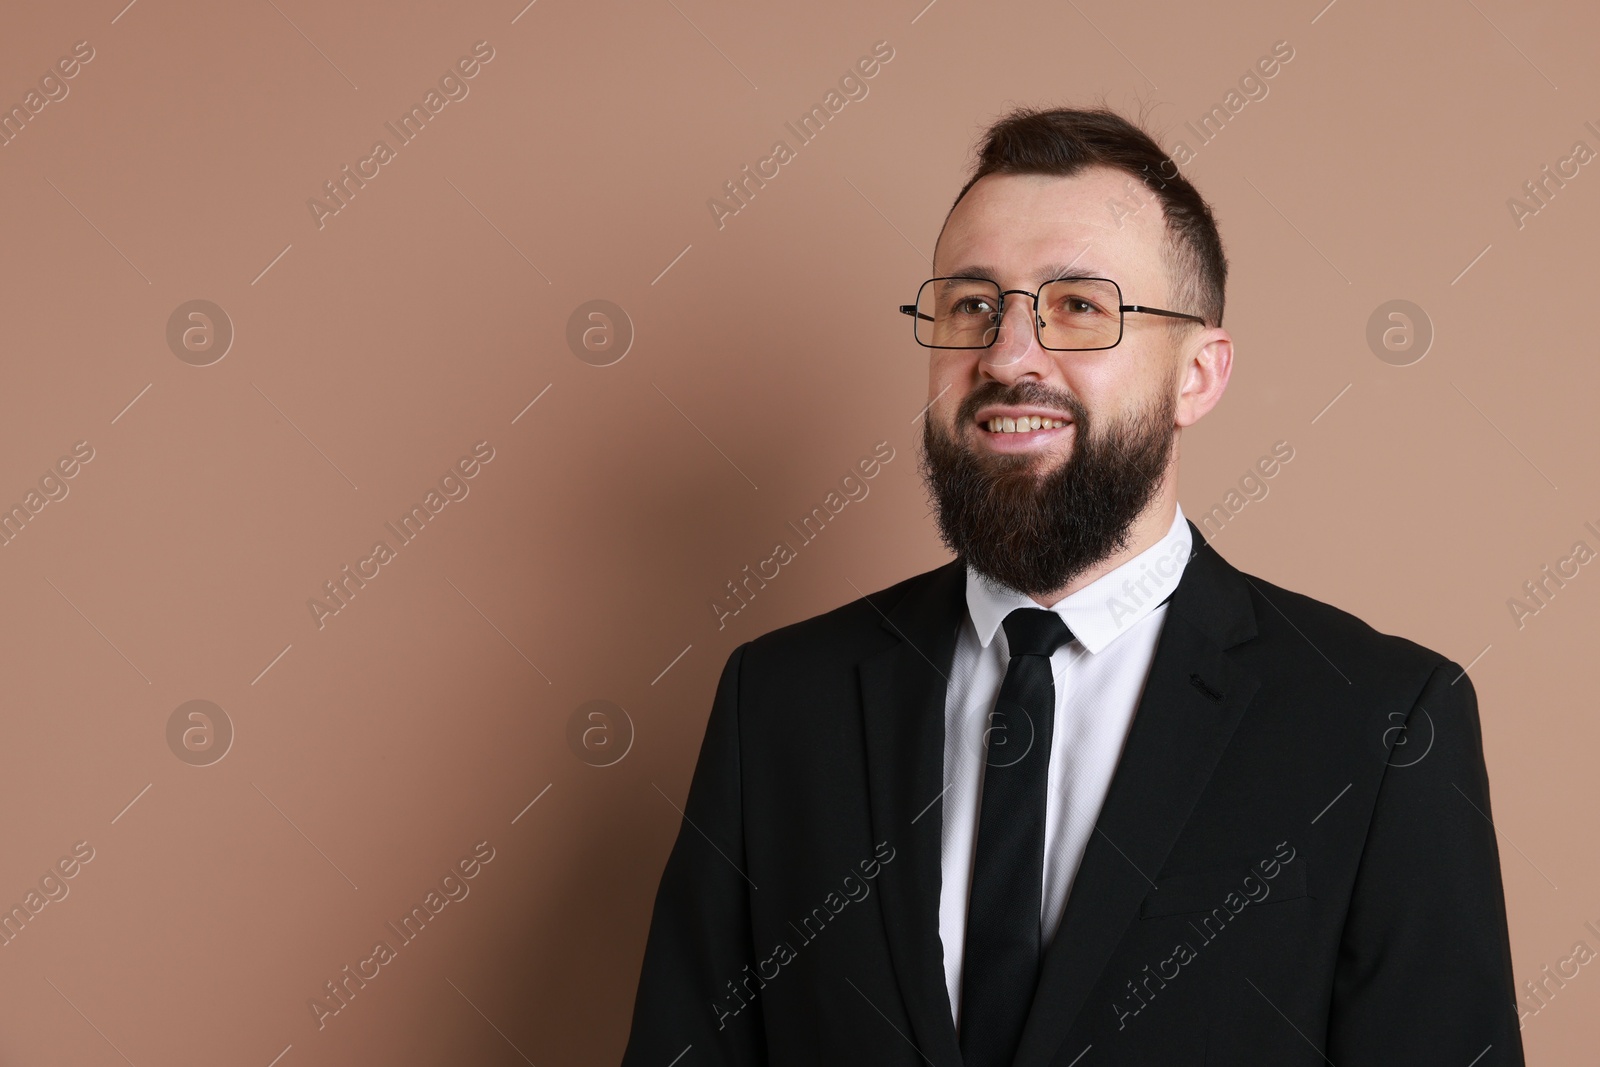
(1035, 632)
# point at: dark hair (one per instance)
(1064, 141)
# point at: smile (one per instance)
(1025, 424)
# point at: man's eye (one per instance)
(973, 305)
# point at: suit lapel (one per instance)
(1192, 701)
(903, 700)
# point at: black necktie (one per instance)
(1002, 952)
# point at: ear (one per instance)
(1205, 363)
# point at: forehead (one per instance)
(1100, 221)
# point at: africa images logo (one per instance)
(452, 87)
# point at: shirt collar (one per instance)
(1103, 609)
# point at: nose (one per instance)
(1016, 348)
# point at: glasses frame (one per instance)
(1038, 323)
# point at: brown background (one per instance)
(374, 752)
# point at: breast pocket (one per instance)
(1224, 887)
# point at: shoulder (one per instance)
(844, 635)
(1331, 644)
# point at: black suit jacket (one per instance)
(1294, 864)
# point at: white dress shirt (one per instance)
(1099, 677)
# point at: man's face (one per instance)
(1034, 509)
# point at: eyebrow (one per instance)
(1050, 272)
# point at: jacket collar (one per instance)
(1191, 703)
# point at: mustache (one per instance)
(1022, 393)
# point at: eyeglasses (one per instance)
(1069, 314)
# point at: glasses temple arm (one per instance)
(1159, 311)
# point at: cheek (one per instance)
(945, 368)
(1100, 386)
(949, 380)
(1125, 389)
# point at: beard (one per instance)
(1033, 531)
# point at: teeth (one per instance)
(1024, 424)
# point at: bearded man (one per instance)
(1086, 794)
